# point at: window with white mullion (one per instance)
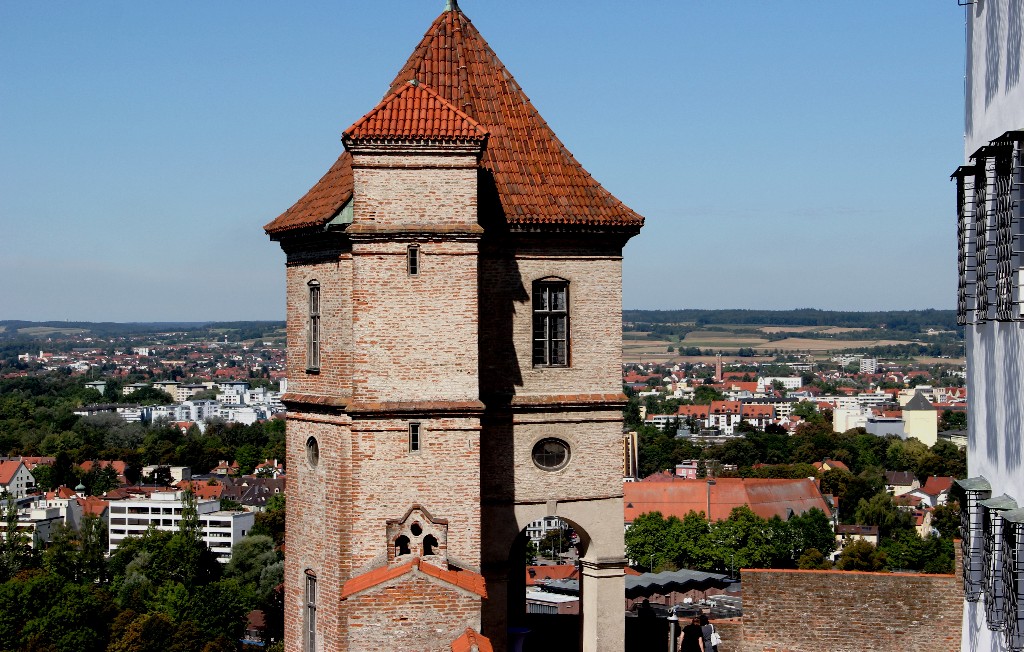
(313, 334)
(551, 323)
(310, 613)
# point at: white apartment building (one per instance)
(162, 510)
(990, 225)
(869, 365)
(788, 382)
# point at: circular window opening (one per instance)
(312, 451)
(551, 454)
(416, 529)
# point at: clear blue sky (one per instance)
(785, 154)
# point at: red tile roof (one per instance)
(415, 112)
(7, 471)
(536, 179)
(766, 497)
(464, 579)
(542, 574)
(937, 484)
(471, 641)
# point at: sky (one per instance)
(784, 154)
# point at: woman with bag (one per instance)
(711, 638)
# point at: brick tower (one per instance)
(454, 345)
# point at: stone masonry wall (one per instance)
(809, 611)
(410, 614)
(436, 189)
(443, 478)
(415, 337)
(335, 278)
(315, 532)
(595, 323)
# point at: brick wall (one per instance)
(808, 611)
(410, 614)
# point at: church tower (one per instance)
(454, 366)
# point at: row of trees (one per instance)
(744, 540)
(161, 591)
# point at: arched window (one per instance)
(429, 545)
(402, 546)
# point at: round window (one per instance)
(312, 451)
(551, 454)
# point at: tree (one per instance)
(16, 551)
(652, 541)
(704, 394)
(812, 530)
(813, 559)
(953, 420)
(860, 555)
(881, 511)
(555, 542)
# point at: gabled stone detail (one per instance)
(418, 534)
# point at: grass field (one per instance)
(36, 331)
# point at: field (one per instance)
(42, 331)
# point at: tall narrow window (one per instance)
(414, 438)
(310, 616)
(551, 323)
(413, 260)
(313, 351)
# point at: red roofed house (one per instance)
(934, 492)
(454, 347)
(16, 479)
(830, 465)
(724, 415)
(766, 497)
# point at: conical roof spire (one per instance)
(536, 180)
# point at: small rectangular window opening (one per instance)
(310, 613)
(551, 324)
(414, 438)
(313, 350)
(413, 260)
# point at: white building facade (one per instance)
(221, 529)
(990, 244)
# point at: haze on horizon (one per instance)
(784, 155)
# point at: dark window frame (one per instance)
(313, 329)
(309, 617)
(551, 343)
(415, 437)
(412, 260)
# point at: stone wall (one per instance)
(809, 611)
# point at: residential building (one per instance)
(869, 365)
(898, 483)
(163, 509)
(921, 420)
(16, 479)
(437, 404)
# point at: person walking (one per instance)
(707, 630)
(692, 639)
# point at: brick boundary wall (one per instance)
(845, 611)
